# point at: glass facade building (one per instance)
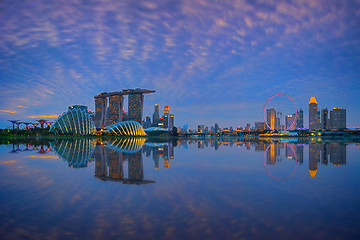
(126, 128)
(115, 109)
(74, 122)
(135, 107)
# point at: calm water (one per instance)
(183, 189)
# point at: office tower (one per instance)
(156, 115)
(171, 121)
(147, 121)
(136, 102)
(259, 126)
(300, 119)
(200, 128)
(289, 122)
(166, 122)
(115, 109)
(216, 127)
(324, 118)
(338, 118)
(248, 127)
(100, 112)
(313, 114)
(166, 111)
(271, 118)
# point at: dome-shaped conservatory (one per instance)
(126, 128)
(74, 122)
(127, 145)
(77, 152)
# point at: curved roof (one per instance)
(155, 129)
(127, 145)
(126, 128)
(74, 121)
(313, 100)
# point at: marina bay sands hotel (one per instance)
(105, 116)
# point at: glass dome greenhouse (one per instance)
(126, 128)
(74, 122)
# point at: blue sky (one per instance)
(210, 61)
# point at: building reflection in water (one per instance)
(276, 152)
(109, 158)
(322, 152)
(163, 150)
(111, 154)
(77, 152)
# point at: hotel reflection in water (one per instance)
(122, 159)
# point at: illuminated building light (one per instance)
(126, 128)
(74, 122)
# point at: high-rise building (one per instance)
(338, 118)
(171, 122)
(136, 102)
(271, 118)
(105, 115)
(115, 109)
(216, 127)
(200, 128)
(313, 114)
(166, 122)
(324, 118)
(100, 112)
(166, 111)
(156, 115)
(300, 119)
(289, 122)
(259, 126)
(147, 121)
(248, 127)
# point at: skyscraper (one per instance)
(156, 115)
(324, 118)
(300, 119)
(201, 128)
(147, 121)
(171, 122)
(313, 114)
(136, 101)
(100, 112)
(271, 118)
(216, 127)
(338, 118)
(289, 122)
(115, 109)
(166, 111)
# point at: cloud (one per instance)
(7, 111)
(44, 116)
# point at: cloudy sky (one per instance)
(209, 60)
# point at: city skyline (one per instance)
(212, 62)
